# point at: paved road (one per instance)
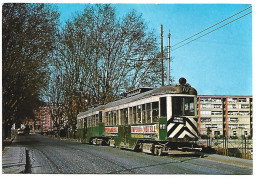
(50, 156)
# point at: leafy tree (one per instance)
(28, 41)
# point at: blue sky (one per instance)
(217, 64)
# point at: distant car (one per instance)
(20, 132)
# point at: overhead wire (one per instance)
(202, 32)
(212, 26)
(213, 30)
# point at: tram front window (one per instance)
(183, 106)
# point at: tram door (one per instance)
(125, 128)
(163, 118)
(84, 128)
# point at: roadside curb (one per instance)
(14, 160)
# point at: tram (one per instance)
(153, 120)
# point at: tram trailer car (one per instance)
(153, 120)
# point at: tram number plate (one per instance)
(185, 89)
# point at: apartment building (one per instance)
(43, 120)
(230, 116)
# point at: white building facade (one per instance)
(230, 116)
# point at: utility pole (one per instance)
(162, 55)
(168, 72)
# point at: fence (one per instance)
(242, 148)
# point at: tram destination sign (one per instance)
(179, 120)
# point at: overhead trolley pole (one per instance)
(168, 72)
(162, 55)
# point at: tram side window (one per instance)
(106, 118)
(88, 122)
(97, 119)
(138, 114)
(93, 120)
(79, 126)
(163, 107)
(121, 116)
(100, 117)
(148, 112)
(109, 118)
(143, 113)
(117, 117)
(130, 115)
(125, 116)
(114, 118)
(134, 115)
(85, 123)
(155, 111)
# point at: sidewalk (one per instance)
(13, 160)
(232, 160)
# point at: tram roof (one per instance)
(170, 89)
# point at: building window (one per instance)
(208, 126)
(216, 119)
(205, 106)
(216, 133)
(233, 119)
(234, 133)
(244, 106)
(232, 106)
(234, 113)
(244, 113)
(205, 119)
(242, 99)
(216, 113)
(205, 112)
(217, 106)
(205, 99)
(218, 100)
(232, 100)
(214, 126)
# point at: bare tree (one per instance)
(103, 55)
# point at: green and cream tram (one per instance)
(149, 119)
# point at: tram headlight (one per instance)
(182, 81)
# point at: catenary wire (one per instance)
(212, 30)
(211, 26)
